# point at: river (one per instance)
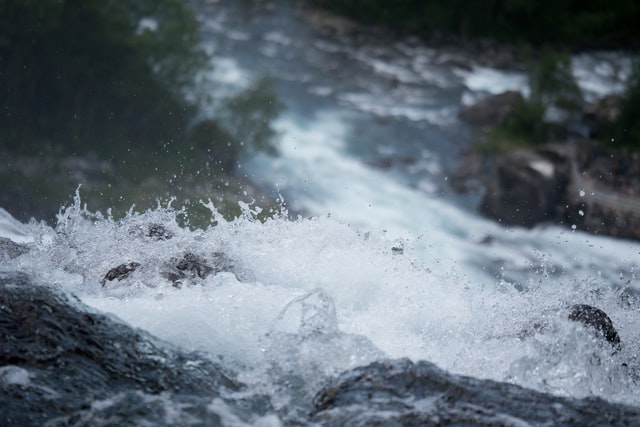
(381, 252)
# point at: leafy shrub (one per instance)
(562, 22)
(552, 83)
(113, 81)
(249, 116)
(627, 125)
(81, 73)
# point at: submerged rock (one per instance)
(403, 393)
(192, 266)
(158, 232)
(120, 272)
(62, 364)
(596, 319)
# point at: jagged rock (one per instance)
(192, 266)
(10, 249)
(491, 111)
(581, 184)
(63, 364)
(600, 115)
(403, 393)
(120, 272)
(159, 232)
(527, 187)
(596, 319)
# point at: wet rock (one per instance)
(120, 272)
(600, 115)
(597, 320)
(605, 191)
(527, 187)
(10, 249)
(63, 364)
(491, 111)
(403, 393)
(159, 232)
(583, 184)
(578, 182)
(192, 266)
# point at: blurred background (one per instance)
(352, 108)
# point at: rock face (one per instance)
(526, 188)
(9, 249)
(403, 393)
(580, 184)
(61, 364)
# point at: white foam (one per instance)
(418, 290)
(493, 81)
(601, 74)
(11, 228)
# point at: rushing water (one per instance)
(384, 261)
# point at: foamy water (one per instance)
(379, 266)
(317, 296)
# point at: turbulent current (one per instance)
(381, 263)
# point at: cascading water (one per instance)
(382, 264)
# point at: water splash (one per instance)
(292, 302)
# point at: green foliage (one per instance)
(83, 73)
(552, 86)
(113, 80)
(552, 83)
(523, 127)
(249, 116)
(611, 24)
(627, 125)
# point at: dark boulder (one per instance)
(192, 266)
(527, 187)
(158, 232)
(403, 393)
(491, 111)
(600, 115)
(582, 184)
(63, 364)
(120, 272)
(597, 320)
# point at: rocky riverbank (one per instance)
(577, 182)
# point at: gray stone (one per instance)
(581, 184)
(120, 272)
(193, 266)
(403, 393)
(10, 249)
(62, 364)
(526, 188)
